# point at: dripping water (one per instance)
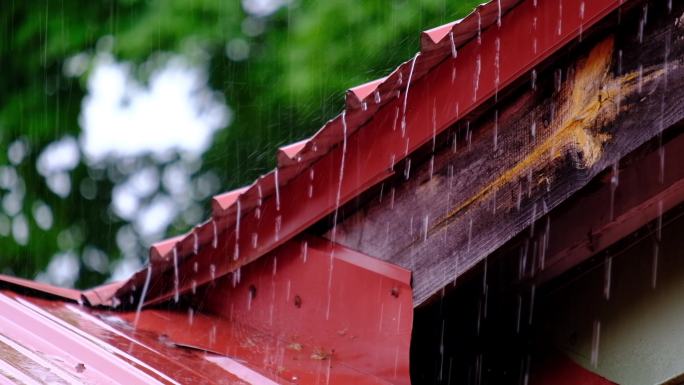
(141, 301)
(406, 93)
(175, 275)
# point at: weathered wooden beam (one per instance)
(640, 189)
(501, 171)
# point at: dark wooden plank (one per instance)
(637, 191)
(613, 92)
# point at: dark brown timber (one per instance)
(499, 172)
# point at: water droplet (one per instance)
(191, 316)
(608, 273)
(454, 52)
(277, 190)
(305, 251)
(195, 242)
(496, 130)
(141, 301)
(175, 275)
(595, 339)
(498, 15)
(560, 17)
(236, 252)
(214, 240)
(406, 93)
(476, 78)
(479, 26)
(278, 225)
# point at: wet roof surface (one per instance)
(233, 319)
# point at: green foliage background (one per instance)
(292, 82)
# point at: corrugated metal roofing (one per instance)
(460, 66)
(212, 273)
(264, 325)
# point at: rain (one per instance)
(287, 191)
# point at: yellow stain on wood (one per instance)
(589, 102)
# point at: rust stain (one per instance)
(590, 100)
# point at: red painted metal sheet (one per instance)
(53, 342)
(398, 114)
(38, 287)
(311, 311)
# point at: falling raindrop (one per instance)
(260, 200)
(608, 272)
(476, 78)
(255, 240)
(469, 136)
(425, 227)
(470, 232)
(141, 301)
(533, 79)
(214, 240)
(479, 26)
(195, 242)
(654, 266)
(236, 252)
(558, 78)
(277, 190)
(498, 15)
(595, 338)
(278, 225)
(581, 15)
(454, 52)
(496, 130)
(614, 182)
(191, 316)
(406, 93)
(560, 17)
(377, 97)
(497, 61)
(305, 251)
(175, 275)
(642, 23)
(311, 179)
(407, 169)
(532, 294)
(212, 271)
(619, 91)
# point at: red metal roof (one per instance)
(357, 306)
(311, 312)
(460, 66)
